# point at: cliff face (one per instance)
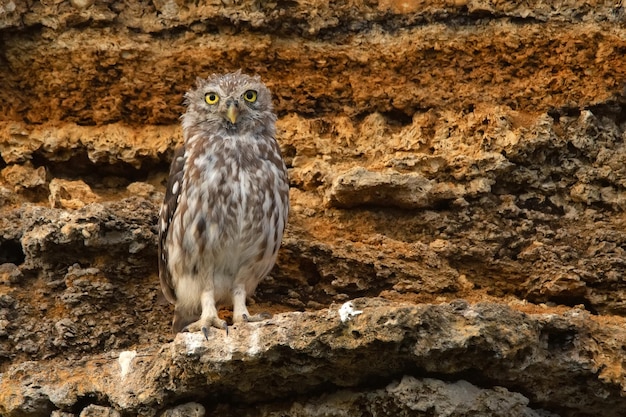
(457, 172)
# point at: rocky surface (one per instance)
(320, 354)
(456, 167)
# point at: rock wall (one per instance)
(457, 171)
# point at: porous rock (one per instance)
(302, 353)
(437, 151)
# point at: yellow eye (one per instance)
(250, 96)
(211, 98)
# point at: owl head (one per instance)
(234, 102)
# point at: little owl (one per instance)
(226, 203)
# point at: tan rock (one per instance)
(70, 194)
(438, 150)
(309, 351)
(23, 177)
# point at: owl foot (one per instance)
(246, 318)
(205, 331)
(203, 326)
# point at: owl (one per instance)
(226, 203)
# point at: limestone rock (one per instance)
(57, 413)
(438, 151)
(185, 410)
(141, 189)
(309, 351)
(23, 177)
(415, 397)
(359, 187)
(70, 194)
(98, 411)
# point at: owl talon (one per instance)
(203, 326)
(256, 317)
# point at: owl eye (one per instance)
(211, 98)
(250, 96)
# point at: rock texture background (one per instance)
(458, 171)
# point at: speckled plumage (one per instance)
(226, 202)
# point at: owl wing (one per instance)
(172, 192)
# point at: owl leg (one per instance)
(208, 318)
(181, 320)
(240, 311)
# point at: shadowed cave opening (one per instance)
(98, 174)
(90, 399)
(11, 252)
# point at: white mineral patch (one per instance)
(347, 311)
(193, 341)
(125, 360)
(254, 342)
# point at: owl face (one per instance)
(234, 102)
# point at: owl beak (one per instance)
(232, 112)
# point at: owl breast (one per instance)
(235, 212)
